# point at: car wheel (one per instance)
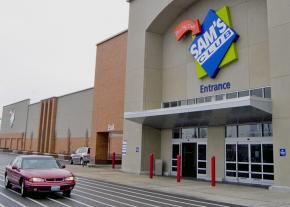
(22, 189)
(66, 193)
(7, 182)
(71, 161)
(81, 161)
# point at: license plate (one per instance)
(55, 188)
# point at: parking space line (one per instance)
(155, 201)
(113, 196)
(84, 204)
(147, 199)
(97, 201)
(35, 201)
(13, 200)
(170, 200)
(1, 205)
(61, 203)
(156, 194)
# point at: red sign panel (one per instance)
(186, 26)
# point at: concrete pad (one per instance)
(229, 193)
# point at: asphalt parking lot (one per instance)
(91, 193)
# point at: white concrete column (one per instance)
(216, 147)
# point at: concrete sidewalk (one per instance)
(229, 193)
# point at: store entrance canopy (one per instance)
(217, 113)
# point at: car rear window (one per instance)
(39, 163)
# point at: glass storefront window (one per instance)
(203, 132)
(201, 152)
(231, 174)
(219, 97)
(173, 104)
(232, 95)
(257, 92)
(244, 93)
(250, 130)
(231, 153)
(200, 100)
(183, 103)
(267, 130)
(231, 131)
(267, 153)
(243, 155)
(267, 92)
(191, 101)
(166, 105)
(208, 99)
(268, 177)
(256, 168)
(231, 166)
(256, 153)
(175, 151)
(268, 169)
(176, 133)
(189, 133)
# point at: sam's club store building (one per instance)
(209, 78)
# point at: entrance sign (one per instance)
(282, 152)
(214, 46)
(215, 87)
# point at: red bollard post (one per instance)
(113, 160)
(213, 171)
(178, 175)
(151, 165)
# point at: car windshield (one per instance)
(39, 163)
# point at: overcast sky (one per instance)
(47, 47)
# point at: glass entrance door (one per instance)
(191, 144)
(249, 162)
(189, 159)
(175, 151)
(256, 162)
(201, 160)
(243, 163)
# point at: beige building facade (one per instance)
(168, 111)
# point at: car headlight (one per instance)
(36, 180)
(70, 178)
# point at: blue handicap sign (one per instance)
(282, 152)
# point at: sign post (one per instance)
(113, 160)
(213, 171)
(151, 165)
(178, 175)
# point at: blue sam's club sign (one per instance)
(210, 47)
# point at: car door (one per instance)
(12, 172)
(9, 170)
(18, 170)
